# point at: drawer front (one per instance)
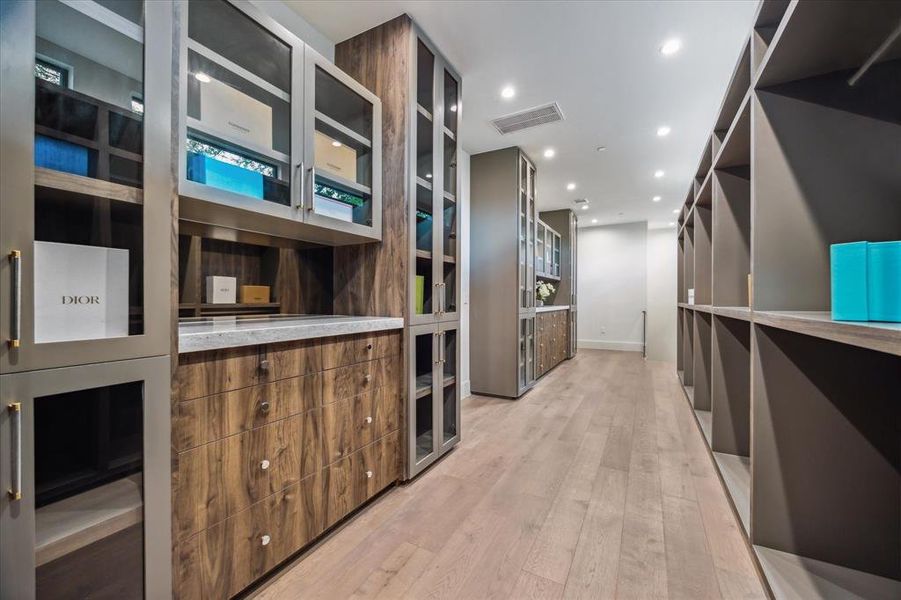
(346, 350)
(290, 359)
(212, 418)
(204, 373)
(218, 480)
(221, 561)
(357, 478)
(352, 423)
(353, 380)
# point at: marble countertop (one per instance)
(552, 307)
(214, 333)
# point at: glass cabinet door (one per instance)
(557, 242)
(238, 84)
(540, 248)
(425, 284)
(527, 230)
(448, 200)
(343, 160)
(424, 360)
(75, 227)
(87, 469)
(450, 389)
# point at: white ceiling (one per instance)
(600, 62)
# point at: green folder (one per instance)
(420, 294)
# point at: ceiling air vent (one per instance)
(580, 201)
(549, 113)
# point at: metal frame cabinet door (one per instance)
(18, 350)
(444, 329)
(439, 186)
(313, 61)
(17, 515)
(416, 465)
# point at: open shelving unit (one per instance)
(800, 411)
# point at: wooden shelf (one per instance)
(882, 337)
(67, 182)
(705, 420)
(736, 474)
(421, 110)
(736, 91)
(735, 150)
(215, 134)
(791, 576)
(449, 133)
(424, 183)
(343, 182)
(215, 57)
(733, 312)
(343, 130)
(705, 192)
(704, 308)
(814, 38)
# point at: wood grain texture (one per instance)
(291, 359)
(345, 382)
(352, 423)
(371, 279)
(355, 479)
(204, 373)
(528, 489)
(212, 418)
(341, 351)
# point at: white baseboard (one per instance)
(605, 345)
(466, 389)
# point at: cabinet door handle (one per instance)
(15, 422)
(303, 186)
(312, 171)
(367, 377)
(15, 326)
(369, 346)
(264, 406)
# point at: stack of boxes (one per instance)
(866, 281)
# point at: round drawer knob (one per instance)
(368, 474)
(367, 378)
(265, 540)
(264, 365)
(264, 465)
(369, 346)
(367, 420)
(264, 406)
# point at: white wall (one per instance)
(661, 303)
(612, 286)
(463, 221)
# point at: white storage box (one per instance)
(221, 290)
(80, 292)
(226, 109)
(691, 295)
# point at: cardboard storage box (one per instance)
(221, 290)
(80, 292)
(254, 294)
(231, 111)
(340, 160)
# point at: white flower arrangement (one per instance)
(544, 290)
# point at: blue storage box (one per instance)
(884, 281)
(848, 263)
(216, 173)
(50, 153)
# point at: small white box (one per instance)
(229, 110)
(691, 295)
(80, 292)
(221, 290)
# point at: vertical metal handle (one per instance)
(644, 334)
(15, 326)
(442, 348)
(303, 186)
(312, 171)
(15, 423)
(437, 339)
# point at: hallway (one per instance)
(596, 484)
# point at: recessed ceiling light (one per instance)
(672, 224)
(570, 186)
(336, 144)
(663, 131)
(658, 173)
(670, 47)
(594, 220)
(656, 199)
(428, 175)
(508, 92)
(676, 211)
(584, 207)
(202, 77)
(549, 153)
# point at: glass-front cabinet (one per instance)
(85, 195)
(547, 251)
(275, 138)
(434, 419)
(85, 509)
(527, 231)
(526, 362)
(434, 182)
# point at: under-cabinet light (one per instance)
(202, 77)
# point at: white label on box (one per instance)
(228, 110)
(221, 290)
(327, 207)
(80, 292)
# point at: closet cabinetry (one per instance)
(548, 249)
(566, 223)
(553, 339)
(503, 272)
(273, 137)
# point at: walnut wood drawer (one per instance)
(223, 560)
(357, 478)
(205, 373)
(346, 350)
(352, 423)
(353, 380)
(217, 480)
(212, 418)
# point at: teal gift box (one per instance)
(884, 281)
(848, 264)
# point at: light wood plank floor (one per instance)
(596, 484)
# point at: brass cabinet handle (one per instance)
(15, 418)
(15, 300)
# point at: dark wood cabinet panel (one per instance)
(204, 373)
(290, 359)
(357, 478)
(349, 381)
(348, 350)
(352, 423)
